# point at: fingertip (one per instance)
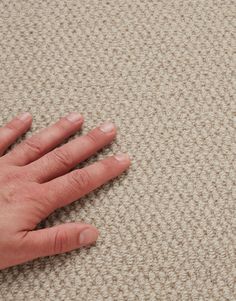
(25, 116)
(108, 128)
(88, 236)
(123, 158)
(75, 117)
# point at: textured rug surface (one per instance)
(163, 72)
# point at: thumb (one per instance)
(59, 239)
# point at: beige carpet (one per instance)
(163, 72)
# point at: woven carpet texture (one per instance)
(162, 71)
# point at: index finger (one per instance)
(63, 190)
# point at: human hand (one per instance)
(35, 180)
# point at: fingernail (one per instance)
(88, 236)
(122, 157)
(107, 127)
(74, 117)
(24, 116)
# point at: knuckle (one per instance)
(19, 192)
(12, 175)
(63, 157)
(60, 241)
(28, 193)
(80, 179)
(33, 144)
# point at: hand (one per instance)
(34, 181)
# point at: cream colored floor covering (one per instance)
(163, 72)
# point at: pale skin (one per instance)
(37, 177)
